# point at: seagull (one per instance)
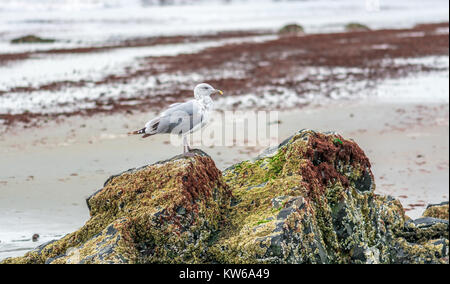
(183, 118)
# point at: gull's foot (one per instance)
(191, 152)
(188, 154)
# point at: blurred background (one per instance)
(77, 75)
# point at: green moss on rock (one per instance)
(437, 211)
(429, 252)
(356, 27)
(31, 39)
(291, 29)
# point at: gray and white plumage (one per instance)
(183, 118)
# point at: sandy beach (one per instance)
(65, 107)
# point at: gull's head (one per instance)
(205, 90)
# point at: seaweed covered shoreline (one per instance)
(297, 69)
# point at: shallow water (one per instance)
(84, 22)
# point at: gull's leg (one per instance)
(184, 145)
(187, 145)
(186, 148)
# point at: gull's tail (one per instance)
(140, 131)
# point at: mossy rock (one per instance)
(31, 39)
(356, 27)
(328, 208)
(437, 211)
(310, 200)
(167, 212)
(433, 251)
(291, 29)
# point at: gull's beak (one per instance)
(219, 92)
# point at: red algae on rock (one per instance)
(327, 159)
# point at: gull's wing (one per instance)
(174, 105)
(179, 118)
